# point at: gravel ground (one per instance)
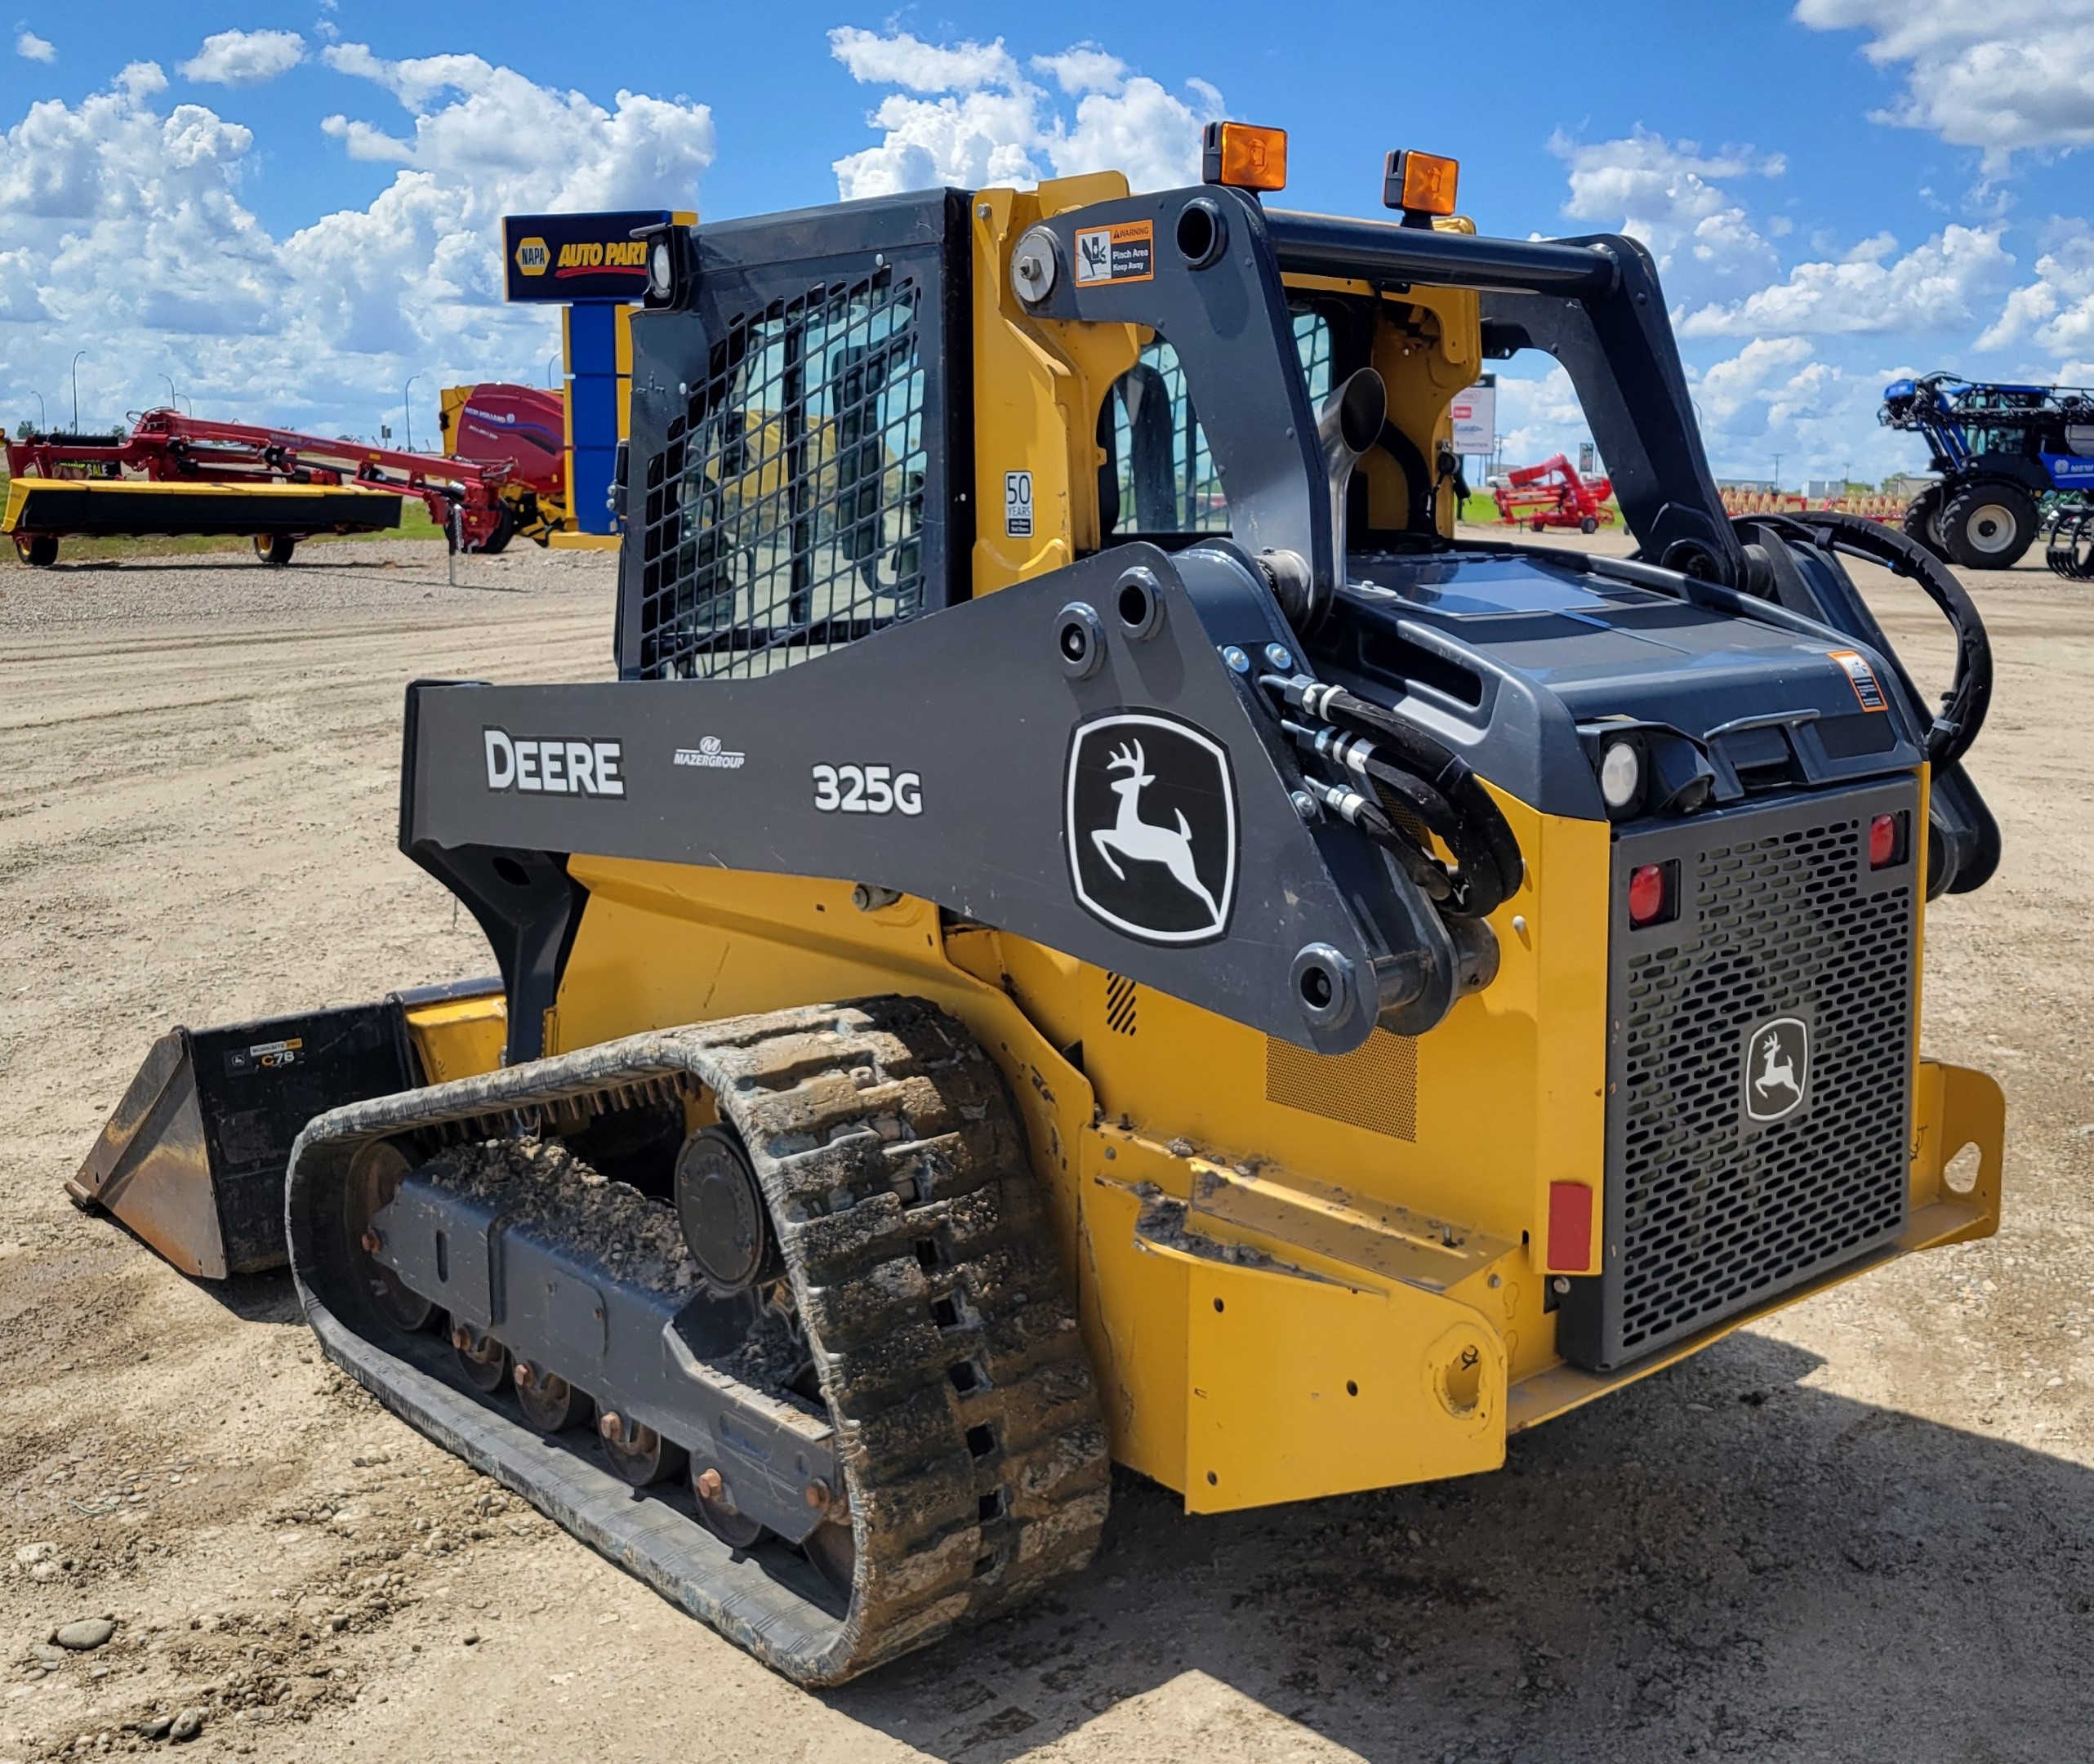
(1859, 1530)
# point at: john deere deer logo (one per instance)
(1777, 1068)
(1150, 826)
(1131, 836)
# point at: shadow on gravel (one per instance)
(1720, 1562)
(257, 1297)
(267, 1298)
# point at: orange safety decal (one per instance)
(1570, 1226)
(1863, 677)
(1125, 251)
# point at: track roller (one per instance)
(549, 1402)
(636, 1452)
(482, 1360)
(716, 1508)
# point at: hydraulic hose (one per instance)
(1417, 782)
(1964, 705)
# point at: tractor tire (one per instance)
(1923, 521)
(1988, 526)
(505, 529)
(40, 550)
(275, 548)
(1589, 525)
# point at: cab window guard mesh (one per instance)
(1313, 343)
(1160, 464)
(785, 515)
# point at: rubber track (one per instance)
(967, 1423)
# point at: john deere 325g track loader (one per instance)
(1090, 928)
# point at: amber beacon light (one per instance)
(1244, 157)
(1422, 184)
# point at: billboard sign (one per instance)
(1475, 413)
(578, 257)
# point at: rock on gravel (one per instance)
(83, 1633)
(187, 1724)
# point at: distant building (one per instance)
(1754, 486)
(1908, 484)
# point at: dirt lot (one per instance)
(1861, 1531)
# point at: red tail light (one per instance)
(1647, 894)
(1883, 841)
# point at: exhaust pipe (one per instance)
(1351, 422)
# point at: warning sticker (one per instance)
(1863, 677)
(1124, 252)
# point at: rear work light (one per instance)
(1650, 895)
(1422, 184)
(1244, 157)
(1886, 840)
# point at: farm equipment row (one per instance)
(503, 474)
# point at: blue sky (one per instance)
(290, 220)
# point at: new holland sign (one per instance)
(579, 257)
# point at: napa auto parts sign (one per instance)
(579, 257)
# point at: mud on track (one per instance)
(1859, 1531)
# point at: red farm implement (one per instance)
(1551, 494)
(173, 473)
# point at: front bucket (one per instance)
(193, 1158)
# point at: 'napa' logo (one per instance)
(533, 256)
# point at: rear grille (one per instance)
(1709, 1211)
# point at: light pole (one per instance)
(76, 390)
(172, 401)
(552, 368)
(407, 406)
(42, 423)
(1777, 474)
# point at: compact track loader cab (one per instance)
(1092, 928)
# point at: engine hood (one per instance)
(1522, 663)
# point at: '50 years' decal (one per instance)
(867, 789)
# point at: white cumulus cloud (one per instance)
(512, 143)
(1671, 195)
(1935, 286)
(2056, 310)
(966, 114)
(244, 58)
(122, 231)
(2004, 75)
(32, 47)
(1084, 69)
(1780, 396)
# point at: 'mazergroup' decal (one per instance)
(557, 765)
